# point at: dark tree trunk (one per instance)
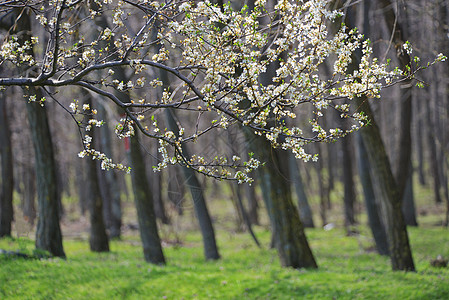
(151, 241)
(199, 203)
(419, 141)
(391, 200)
(250, 193)
(288, 231)
(408, 202)
(432, 152)
(253, 206)
(110, 187)
(48, 233)
(322, 189)
(372, 209)
(305, 213)
(98, 239)
(29, 194)
(236, 196)
(348, 182)
(159, 205)
(6, 191)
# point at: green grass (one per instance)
(244, 272)
(346, 270)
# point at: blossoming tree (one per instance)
(216, 57)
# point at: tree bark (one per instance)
(432, 149)
(372, 208)
(288, 236)
(7, 181)
(288, 231)
(322, 189)
(111, 188)
(48, 233)
(151, 241)
(253, 206)
(348, 183)
(401, 169)
(29, 194)
(391, 200)
(305, 213)
(98, 239)
(159, 205)
(408, 202)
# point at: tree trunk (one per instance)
(431, 142)
(305, 213)
(236, 197)
(322, 189)
(7, 187)
(111, 188)
(253, 206)
(151, 241)
(288, 231)
(199, 203)
(98, 239)
(348, 182)
(250, 193)
(408, 202)
(143, 199)
(159, 206)
(372, 209)
(48, 233)
(29, 194)
(241, 211)
(391, 200)
(418, 108)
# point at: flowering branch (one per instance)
(217, 59)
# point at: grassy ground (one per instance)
(346, 271)
(347, 267)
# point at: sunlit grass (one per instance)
(348, 269)
(244, 272)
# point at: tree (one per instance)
(152, 248)
(48, 233)
(109, 182)
(98, 240)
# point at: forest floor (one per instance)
(348, 266)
